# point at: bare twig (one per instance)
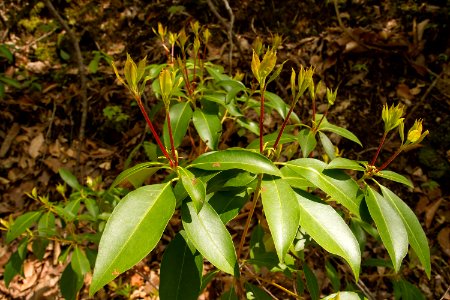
(79, 58)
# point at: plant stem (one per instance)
(374, 159)
(250, 215)
(314, 109)
(390, 159)
(275, 285)
(321, 120)
(261, 121)
(283, 126)
(152, 129)
(172, 144)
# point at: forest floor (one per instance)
(376, 52)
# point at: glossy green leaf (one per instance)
(327, 145)
(210, 236)
(274, 101)
(344, 163)
(255, 293)
(344, 296)
(71, 209)
(236, 159)
(328, 229)
(15, 262)
(194, 186)
(394, 177)
(307, 141)
(220, 98)
(92, 207)
(70, 283)
(325, 126)
(282, 213)
(294, 180)
(390, 226)
(416, 236)
(208, 127)
(249, 125)
(180, 276)
(79, 261)
(46, 225)
(21, 224)
(311, 283)
(180, 116)
(338, 185)
(407, 291)
(137, 175)
(69, 178)
(133, 230)
(217, 73)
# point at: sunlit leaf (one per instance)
(394, 177)
(133, 230)
(208, 127)
(21, 224)
(307, 141)
(344, 163)
(194, 186)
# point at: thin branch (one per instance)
(79, 58)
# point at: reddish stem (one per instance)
(314, 109)
(261, 121)
(383, 166)
(172, 144)
(283, 126)
(152, 129)
(321, 119)
(374, 159)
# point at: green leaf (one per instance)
(194, 186)
(180, 116)
(10, 81)
(344, 163)
(208, 127)
(229, 295)
(416, 235)
(338, 185)
(255, 293)
(220, 98)
(15, 262)
(228, 203)
(70, 283)
(325, 126)
(79, 261)
(92, 207)
(329, 230)
(71, 209)
(46, 225)
(132, 231)
(70, 179)
(93, 64)
(6, 53)
(180, 277)
(327, 145)
(271, 138)
(394, 177)
(39, 246)
(210, 236)
(307, 141)
(236, 159)
(21, 224)
(282, 213)
(311, 282)
(138, 174)
(292, 177)
(274, 101)
(207, 278)
(333, 275)
(343, 296)
(406, 291)
(249, 125)
(390, 226)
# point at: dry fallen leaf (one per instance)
(431, 211)
(36, 145)
(444, 240)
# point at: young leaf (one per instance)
(394, 177)
(208, 127)
(194, 186)
(132, 231)
(21, 224)
(341, 187)
(210, 236)
(307, 141)
(69, 178)
(79, 261)
(344, 163)
(390, 226)
(416, 235)
(180, 276)
(311, 282)
(70, 283)
(344, 296)
(328, 229)
(138, 174)
(282, 213)
(327, 145)
(246, 160)
(180, 116)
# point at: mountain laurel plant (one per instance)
(308, 194)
